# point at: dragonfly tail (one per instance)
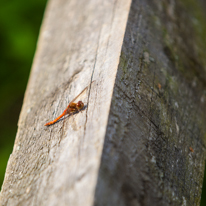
(52, 122)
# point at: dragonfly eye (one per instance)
(80, 105)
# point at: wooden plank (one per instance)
(141, 138)
(80, 41)
(154, 150)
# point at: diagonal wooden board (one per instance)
(141, 138)
(80, 41)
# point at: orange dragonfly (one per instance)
(71, 108)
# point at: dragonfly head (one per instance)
(80, 105)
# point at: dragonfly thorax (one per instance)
(80, 105)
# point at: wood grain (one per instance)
(157, 112)
(80, 41)
(140, 140)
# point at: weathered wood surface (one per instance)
(148, 122)
(80, 41)
(158, 110)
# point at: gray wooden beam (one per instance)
(140, 140)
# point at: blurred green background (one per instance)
(20, 21)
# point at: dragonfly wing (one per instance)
(81, 92)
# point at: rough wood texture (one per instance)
(158, 110)
(80, 41)
(150, 123)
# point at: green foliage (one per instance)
(20, 21)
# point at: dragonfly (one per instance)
(71, 108)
